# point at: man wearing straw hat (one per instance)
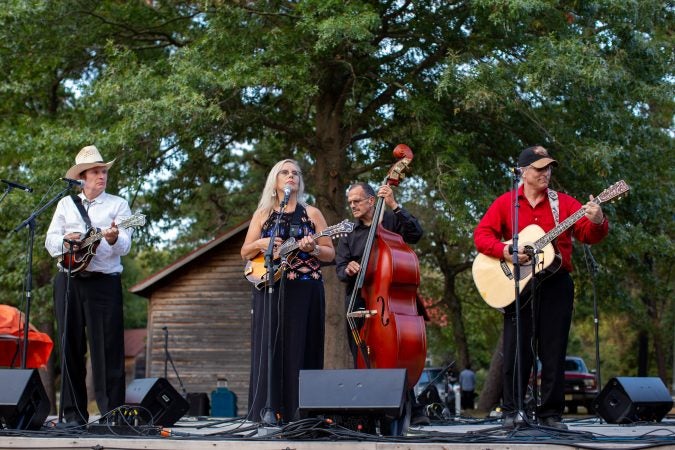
(90, 302)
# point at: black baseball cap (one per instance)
(536, 156)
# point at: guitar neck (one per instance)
(560, 228)
(99, 235)
(296, 245)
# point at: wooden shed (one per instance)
(199, 311)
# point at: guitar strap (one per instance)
(80, 207)
(555, 205)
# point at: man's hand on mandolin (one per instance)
(110, 234)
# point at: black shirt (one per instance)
(350, 247)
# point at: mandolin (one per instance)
(255, 270)
(80, 259)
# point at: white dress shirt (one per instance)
(102, 211)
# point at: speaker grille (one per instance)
(356, 391)
(633, 399)
(159, 402)
(23, 400)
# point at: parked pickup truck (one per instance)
(580, 385)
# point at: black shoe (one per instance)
(553, 422)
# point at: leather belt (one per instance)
(88, 274)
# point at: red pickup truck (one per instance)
(580, 385)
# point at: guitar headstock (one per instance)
(397, 171)
(135, 220)
(614, 191)
(341, 229)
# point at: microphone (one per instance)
(17, 185)
(287, 194)
(516, 171)
(70, 181)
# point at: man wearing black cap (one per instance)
(537, 204)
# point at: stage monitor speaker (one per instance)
(352, 392)
(24, 404)
(160, 404)
(633, 399)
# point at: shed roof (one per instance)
(145, 287)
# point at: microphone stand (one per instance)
(4, 194)
(593, 269)
(534, 313)
(65, 376)
(168, 358)
(520, 414)
(30, 223)
(166, 349)
(432, 382)
(268, 413)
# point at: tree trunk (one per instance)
(491, 394)
(643, 350)
(337, 354)
(329, 195)
(659, 349)
(329, 180)
(455, 315)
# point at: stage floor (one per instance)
(461, 433)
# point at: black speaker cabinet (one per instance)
(24, 404)
(160, 404)
(633, 399)
(352, 392)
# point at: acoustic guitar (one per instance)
(80, 259)
(255, 270)
(494, 277)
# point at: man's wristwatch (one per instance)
(397, 209)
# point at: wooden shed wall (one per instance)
(206, 310)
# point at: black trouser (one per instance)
(94, 304)
(467, 399)
(553, 317)
(359, 303)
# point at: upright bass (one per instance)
(393, 333)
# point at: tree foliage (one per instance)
(198, 99)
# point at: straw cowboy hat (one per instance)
(88, 157)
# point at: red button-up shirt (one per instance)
(496, 225)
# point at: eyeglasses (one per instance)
(357, 201)
(285, 173)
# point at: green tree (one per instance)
(198, 100)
